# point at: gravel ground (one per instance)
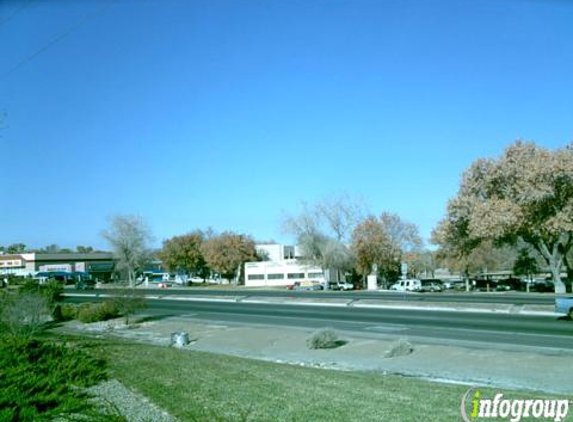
(112, 397)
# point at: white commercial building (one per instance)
(281, 268)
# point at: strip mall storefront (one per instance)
(100, 264)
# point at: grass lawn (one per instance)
(195, 386)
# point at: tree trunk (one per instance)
(238, 274)
(556, 275)
(569, 267)
(554, 259)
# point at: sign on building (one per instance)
(11, 263)
(56, 267)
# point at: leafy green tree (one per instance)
(525, 195)
(525, 264)
(16, 248)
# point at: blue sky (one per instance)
(229, 113)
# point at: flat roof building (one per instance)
(282, 267)
(99, 264)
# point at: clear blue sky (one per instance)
(228, 113)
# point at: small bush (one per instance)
(68, 311)
(52, 291)
(323, 339)
(128, 301)
(24, 313)
(13, 280)
(94, 312)
(400, 347)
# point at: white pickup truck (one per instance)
(564, 305)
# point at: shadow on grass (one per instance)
(339, 343)
(334, 345)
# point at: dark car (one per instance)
(541, 285)
(61, 276)
(85, 284)
(508, 284)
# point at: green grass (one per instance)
(199, 387)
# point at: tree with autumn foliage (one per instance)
(525, 195)
(485, 257)
(226, 253)
(183, 253)
(384, 241)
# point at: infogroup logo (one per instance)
(476, 407)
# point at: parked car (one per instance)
(411, 285)
(431, 286)
(541, 285)
(564, 305)
(62, 276)
(307, 286)
(455, 284)
(341, 285)
(508, 284)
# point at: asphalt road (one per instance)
(463, 297)
(473, 329)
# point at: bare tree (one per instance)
(341, 213)
(129, 237)
(323, 231)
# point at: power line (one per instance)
(23, 7)
(60, 37)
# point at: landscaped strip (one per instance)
(196, 386)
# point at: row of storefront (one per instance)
(99, 264)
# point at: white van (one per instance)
(411, 285)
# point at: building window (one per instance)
(256, 277)
(295, 275)
(288, 252)
(275, 276)
(316, 275)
